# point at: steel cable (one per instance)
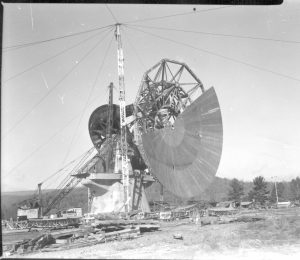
(23, 45)
(216, 34)
(45, 143)
(51, 57)
(218, 55)
(175, 15)
(88, 99)
(54, 87)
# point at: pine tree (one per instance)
(259, 191)
(236, 190)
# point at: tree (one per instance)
(259, 191)
(236, 190)
(280, 191)
(295, 189)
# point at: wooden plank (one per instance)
(122, 222)
(121, 232)
(149, 226)
(95, 239)
(67, 232)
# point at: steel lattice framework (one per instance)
(123, 143)
(178, 128)
(165, 91)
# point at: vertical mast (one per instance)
(123, 143)
(110, 112)
(109, 128)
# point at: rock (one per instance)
(178, 236)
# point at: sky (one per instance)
(50, 89)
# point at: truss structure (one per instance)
(165, 91)
(123, 143)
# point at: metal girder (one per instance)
(166, 91)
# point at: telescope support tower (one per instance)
(123, 141)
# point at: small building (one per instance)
(224, 208)
(227, 204)
(246, 204)
(284, 204)
(165, 215)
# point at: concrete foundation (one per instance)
(107, 192)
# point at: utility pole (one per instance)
(275, 189)
(161, 196)
(276, 192)
(40, 200)
(123, 141)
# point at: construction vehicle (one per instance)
(31, 212)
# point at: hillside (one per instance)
(217, 191)
(78, 197)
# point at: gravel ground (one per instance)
(276, 236)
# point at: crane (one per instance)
(74, 180)
(75, 177)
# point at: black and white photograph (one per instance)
(150, 131)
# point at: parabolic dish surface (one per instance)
(185, 158)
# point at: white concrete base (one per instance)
(111, 201)
(108, 196)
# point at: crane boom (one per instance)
(72, 182)
(123, 143)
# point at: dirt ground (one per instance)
(278, 235)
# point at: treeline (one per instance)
(217, 191)
(221, 189)
(264, 192)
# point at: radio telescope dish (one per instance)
(178, 128)
(98, 123)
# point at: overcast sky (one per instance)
(257, 81)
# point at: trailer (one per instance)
(60, 222)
